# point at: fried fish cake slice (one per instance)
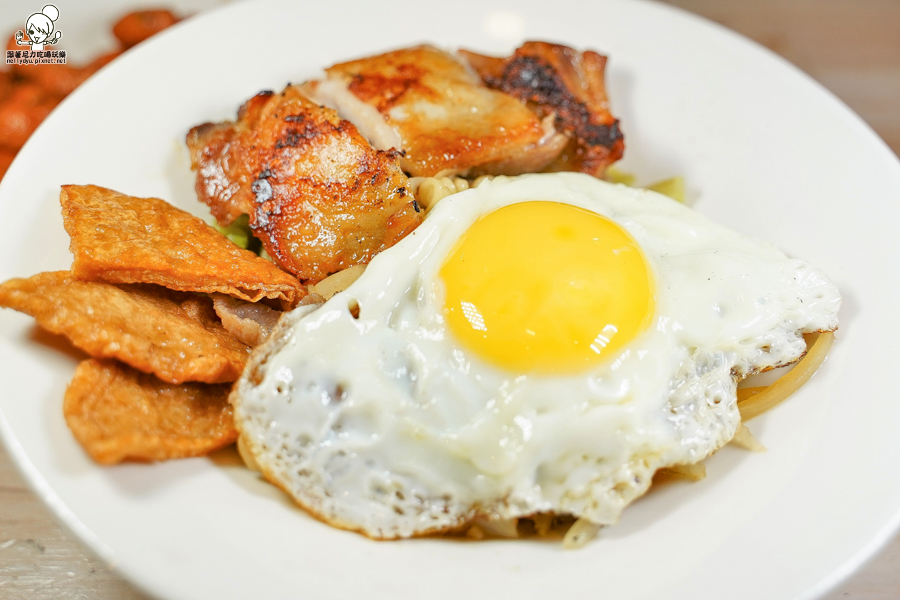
(569, 85)
(117, 413)
(173, 335)
(447, 120)
(123, 239)
(318, 195)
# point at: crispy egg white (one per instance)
(391, 409)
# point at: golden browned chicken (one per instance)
(432, 106)
(319, 197)
(569, 85)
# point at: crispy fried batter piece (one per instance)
(26, 105)
(448, 121)
(137, 26)
(63, 79)
(122, 239)
(117, 413)
(174, 335)
(318, 195)
(557, 80)
(57, 80)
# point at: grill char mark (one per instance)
(557, 80)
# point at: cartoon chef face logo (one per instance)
(40, 29)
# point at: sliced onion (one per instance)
(502, 528)
(580, 533)
(247, 456)
(694, 472)
(745, 439)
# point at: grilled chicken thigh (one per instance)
(569, 85)
(319, 197)
(439, 113)
(322, 198)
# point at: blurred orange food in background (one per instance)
(29, 92)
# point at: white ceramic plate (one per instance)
(763, 149)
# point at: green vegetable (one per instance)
(673, 188)
(240, 233)
(614, 175)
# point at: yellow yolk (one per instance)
(546, 287)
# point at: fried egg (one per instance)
(542, 343)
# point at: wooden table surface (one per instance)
(851, 46)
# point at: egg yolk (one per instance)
(544, 287)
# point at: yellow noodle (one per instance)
(580, 533)
(428, 191)
(755, 401)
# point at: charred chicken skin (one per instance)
(319, 197)
(557, 80)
